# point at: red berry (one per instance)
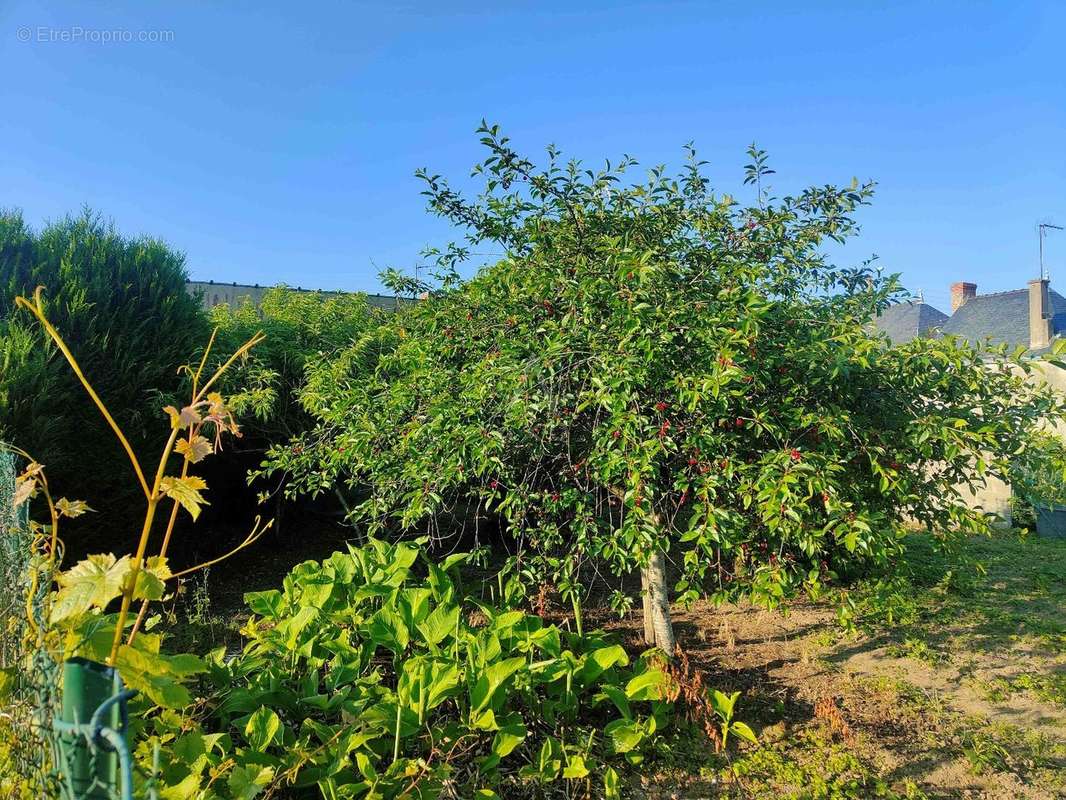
(660, 406)
(739, 422)
(795, 455)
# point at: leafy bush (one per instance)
(370, 682)
(357, 677)
(126, 315)
(657, 369)
(300, 328)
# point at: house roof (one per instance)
(1002, 317)
(904, 321)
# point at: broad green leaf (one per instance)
(491, 679)
(742, 730)
(91, 583)
(440, 622)
(265, 604)
(649, 685)
(623, 735)
(507, 739)
(261, 729)
(151, 579)
(575, 768)
(248, 782)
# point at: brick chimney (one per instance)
(960, 293)
(1039, 314)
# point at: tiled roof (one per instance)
(904, 321)
(1002, 317)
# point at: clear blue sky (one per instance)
(276, 141)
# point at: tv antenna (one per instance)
(1043, 228)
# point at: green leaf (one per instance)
(610, 784)
(623, 735)
(576, 768)
(248, 782)
(491, 679)
(265, 604)
(151, 579)
(507, 739)
(91, 583)
(261, 729)
(742, 730)
(71, 508)
(649, 685)
(441, 622)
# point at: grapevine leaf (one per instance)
(185, 418)
(185, 491)
(25, 488)
(196, 450)
(92, 583)
(151, 578)
(71, 508)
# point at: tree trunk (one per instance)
(645, 593)
(658, 626)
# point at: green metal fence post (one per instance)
(91, 773)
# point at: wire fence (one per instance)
(30, 674)
(46, 751)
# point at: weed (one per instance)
(919, 650)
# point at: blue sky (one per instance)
(276, 141)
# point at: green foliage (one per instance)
(364, 679)
(812, 767)
(300, 327)
(657, 366)
(124, 311)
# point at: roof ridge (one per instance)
(995, 294)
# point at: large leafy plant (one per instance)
(367, 680)
(655, 371)
(78, 620)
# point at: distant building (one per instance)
(905, 321)
(213, 294)
(1030, 317)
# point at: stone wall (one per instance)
(995, 496)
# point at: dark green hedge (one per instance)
(122, 306)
